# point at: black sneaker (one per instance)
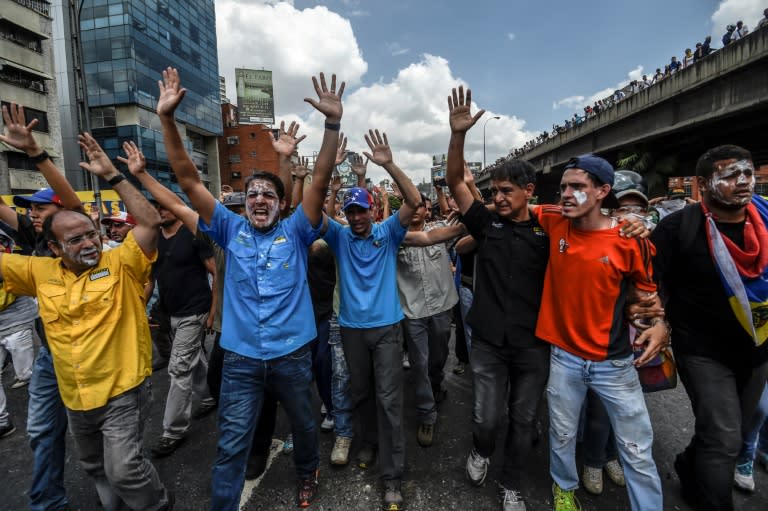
(166, 446)
(308, 490)
(393, 498)
(204, 409)
(257, 464)
(687, 480)
(425, 434)
(366, 457)
(7, 430)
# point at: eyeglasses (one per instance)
(267, 194)
(77, 240)
(623, 210)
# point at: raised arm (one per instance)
(18, 134)
(328, 102)
(359, 168)
(147, 217)
(461, 120)
(469, 180)
(171, 94)
(299, 173)
(165, 197)
(442, 201)
(285, 145)
(381, 154)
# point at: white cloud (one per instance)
(395, 49)
(579, 102)
(510, 36)
(731, 11)
(293, 44)
(410, 107)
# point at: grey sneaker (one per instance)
(477, 468)
(511, 500)
(340, 452)
(592, 479)
(615, 472)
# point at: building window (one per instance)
(253, 134)
(233, 140)
(19, 161)
(103, 117)
(15, 34)
(31, 113)
(234, 158)
(253, 154)
(236, 175)
(20, 78)
(40, 6)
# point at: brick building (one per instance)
(243, 149)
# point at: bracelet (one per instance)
(332, 126)
(117, 179)
(40, 158)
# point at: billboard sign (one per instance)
(255, 97)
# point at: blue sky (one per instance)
(528, 62)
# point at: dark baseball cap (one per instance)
(601, 170)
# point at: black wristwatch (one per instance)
(40, 158)
(118, 178)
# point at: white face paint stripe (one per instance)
(580, 197)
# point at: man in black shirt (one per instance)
(182, 268)
(510, 264)
(723, 367)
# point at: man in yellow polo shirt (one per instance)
(91, 306)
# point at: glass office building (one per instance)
(126, 45)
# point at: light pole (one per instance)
(486, 122)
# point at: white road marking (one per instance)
(250, 486)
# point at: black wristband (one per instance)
(332, 126)
(117, 179)
(40, 158)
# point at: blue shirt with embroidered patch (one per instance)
(267, 307)
(368, 271)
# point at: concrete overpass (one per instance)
(721, 99)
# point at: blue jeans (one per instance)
(756, 436)
(340, 390)
(47, 429)
(617, 385)
(244, 382)
(465, 303)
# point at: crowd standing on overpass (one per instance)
(590, 112)
(568, 303)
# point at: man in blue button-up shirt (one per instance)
(267, 317)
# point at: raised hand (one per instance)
(336, 183)
(396, 190)
(287, 141)
(380, 154)
(358, 166)
(17, 132)
(98, 162)
(341, 151)
(301, 169)
(135, 160)
(328, 101)
(460, 117)
(171, 92)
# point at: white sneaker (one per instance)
(511, 500)
(477, 468)
(743, 478)
(406, 361)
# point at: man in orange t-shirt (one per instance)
(590, 270)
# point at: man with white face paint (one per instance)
(268, 321)
(712, 264)
(91, 306)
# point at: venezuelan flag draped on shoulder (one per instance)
(744, 272)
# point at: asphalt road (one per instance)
(434, 478)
